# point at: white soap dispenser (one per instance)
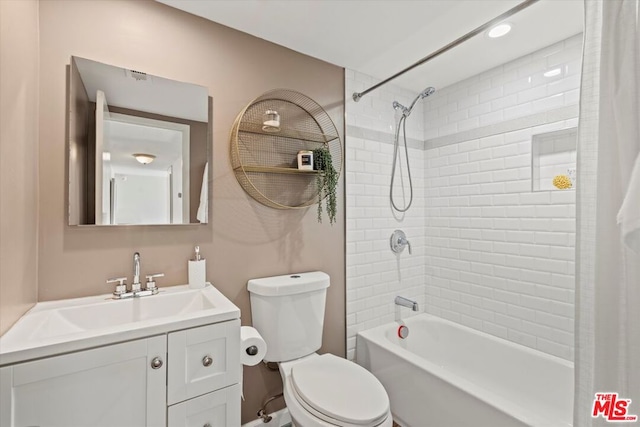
(197, 271)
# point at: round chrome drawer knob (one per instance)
(207, 361)
(156, 363)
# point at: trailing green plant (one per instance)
(327, 182)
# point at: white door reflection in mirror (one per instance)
(146, 171)
(102, 141)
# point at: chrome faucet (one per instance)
(135, 286)
(121, 291)
(406, 302)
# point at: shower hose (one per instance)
(401, 122)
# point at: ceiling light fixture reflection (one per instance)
(145, 159)
(499, 30)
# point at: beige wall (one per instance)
(18, 159)
(245, 239)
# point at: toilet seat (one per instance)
(339, 392)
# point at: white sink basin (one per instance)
(111, 313)
(68, 325)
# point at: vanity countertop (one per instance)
(57, 327)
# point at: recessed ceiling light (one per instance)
(145, 159)
(553, 72)
(499, 30)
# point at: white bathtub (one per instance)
(448, 375)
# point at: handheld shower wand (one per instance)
(405, 113)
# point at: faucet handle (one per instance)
(398, 242)
(403, 241)
(151, 284)
(121, 287)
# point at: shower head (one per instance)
(406, 111)
(428, 91)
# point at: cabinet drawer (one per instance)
(218, 409)
(202, 360)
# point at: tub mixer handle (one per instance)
(399, 241)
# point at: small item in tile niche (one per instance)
(562, 182)
(305, 160)
(572, 173)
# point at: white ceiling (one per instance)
(380, 38)
(148, 93)
(126, 138)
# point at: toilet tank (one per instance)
(288, 311)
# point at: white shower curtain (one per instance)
(608, 272)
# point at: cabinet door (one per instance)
(203, 359)
(103, 387)
(218, 409)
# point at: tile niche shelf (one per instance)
(265, 163)
(553, 155)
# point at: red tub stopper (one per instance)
(403, 331)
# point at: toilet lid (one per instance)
(340, 390)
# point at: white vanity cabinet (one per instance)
(107, 386)
(203, 376)
(181, 378)
(220, 408)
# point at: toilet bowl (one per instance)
(328, 391)
(319, 390)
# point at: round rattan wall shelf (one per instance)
(265, 162)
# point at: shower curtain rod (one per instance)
(481, 28)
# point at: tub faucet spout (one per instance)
(406, 302)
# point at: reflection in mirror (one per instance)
(138, 147)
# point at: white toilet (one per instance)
(319, 390)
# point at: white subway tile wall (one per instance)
(375, 275)
(500, 258)
(541, 81)
(487, 251)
